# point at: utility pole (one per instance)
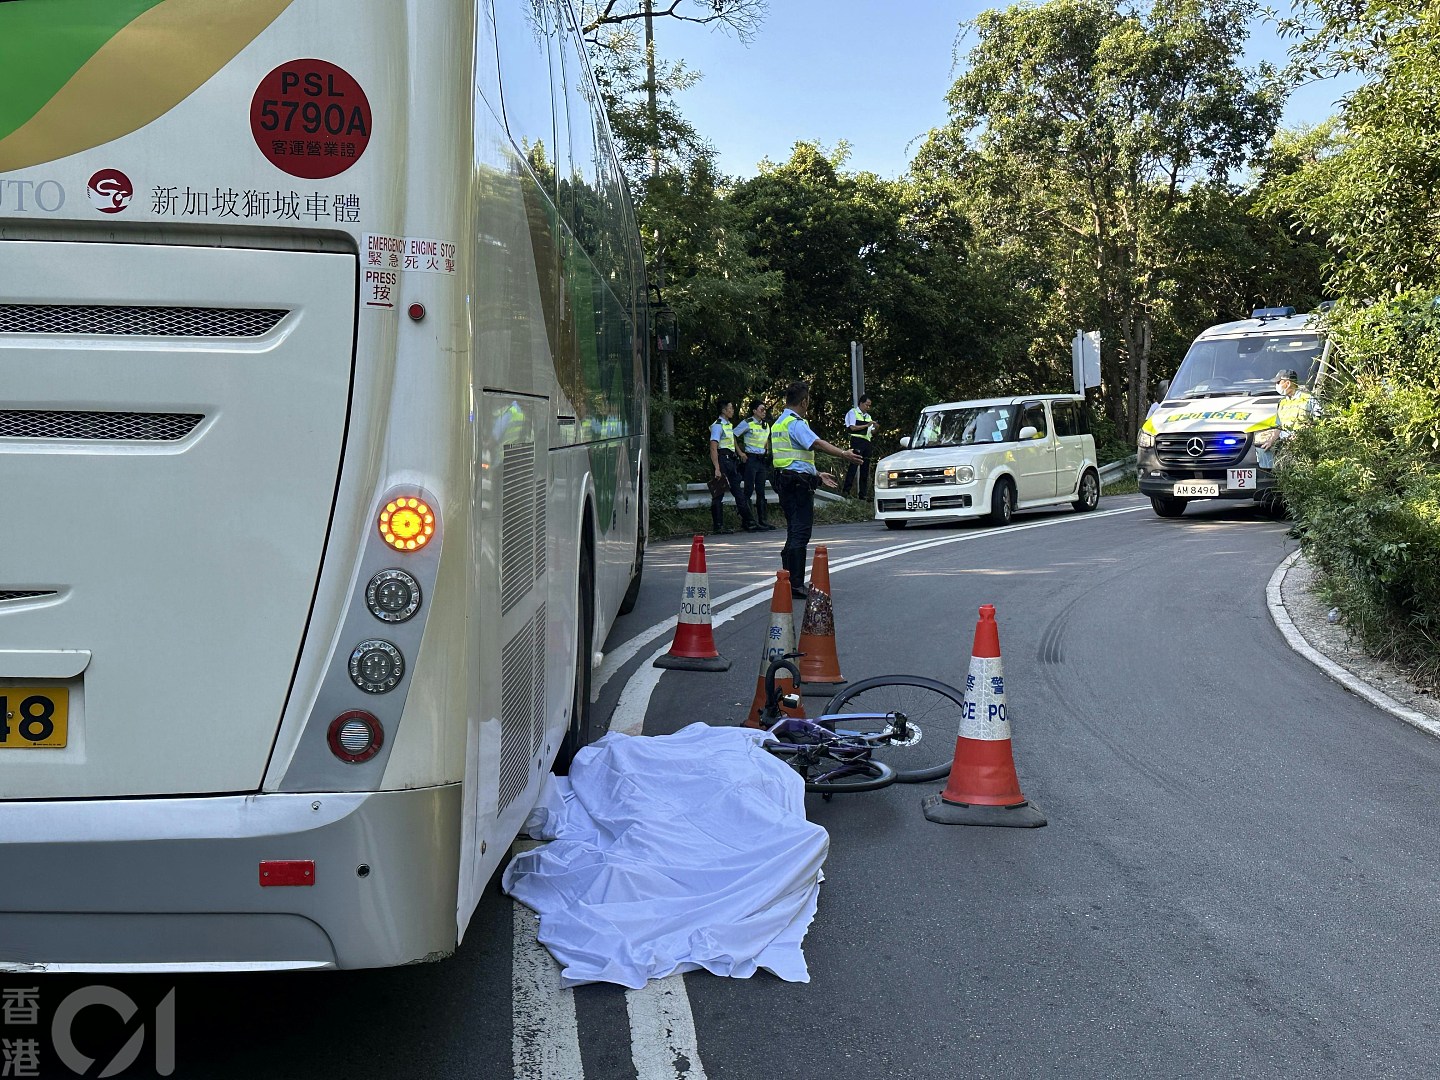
(667, 413)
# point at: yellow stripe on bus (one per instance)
(141, 73)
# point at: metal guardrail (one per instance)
(696, 496)
(1117, 469)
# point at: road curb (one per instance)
(1344, 677)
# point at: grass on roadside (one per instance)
(1125, 485)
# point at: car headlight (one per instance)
(886, 478)
(960, 474)
(1146, 440)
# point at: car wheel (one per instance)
(1167, 506)
(1089, 492)
(1002, 501)
(894, 523)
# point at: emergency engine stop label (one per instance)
(311, 119)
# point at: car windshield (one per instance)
(1218, 367)
(963, 427)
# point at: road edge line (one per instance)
(1346, 678)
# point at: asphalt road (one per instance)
(1237, 878)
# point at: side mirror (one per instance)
(1164, 389)
(905, 442)
(1026, 432)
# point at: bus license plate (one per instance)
(917, 502)
(1240, 480)
(34, 717)
(1197, 487)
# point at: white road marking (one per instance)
(545, 1037)
(1354, 684)
(663, 1045)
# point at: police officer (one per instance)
(754, 435)
(725, 460)
(1294, 408)
(861, 426)
(793, 445)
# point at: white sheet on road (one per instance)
(673, 853)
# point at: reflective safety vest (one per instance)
(727, 435)
(786, 452)
(756, 436)
(861, 418)
(1292, 410)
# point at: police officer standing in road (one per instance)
(725, 460)
(861, 426)
(754, 435)
(793, 444)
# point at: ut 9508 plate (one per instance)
(34, 717)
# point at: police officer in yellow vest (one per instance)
(725, 458)
(1295, 407)
(793, 445)
(861, 426)
(754, 435)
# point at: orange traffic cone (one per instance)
(779, 640)
(694, 646)
(983, 787)
(819, 664)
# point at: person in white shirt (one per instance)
(753, 435)
(861, 426)
(726, 456)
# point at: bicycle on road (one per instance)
(872, 734)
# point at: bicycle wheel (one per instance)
(931, 707)
(827, 775)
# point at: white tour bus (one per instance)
(322, 456)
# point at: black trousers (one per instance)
(797, 500)
(730, 470)
(757, 472)
(861, 447)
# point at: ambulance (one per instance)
(1199, 442)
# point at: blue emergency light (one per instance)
(1272, 313)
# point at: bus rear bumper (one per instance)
(148, 885)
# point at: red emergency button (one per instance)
(287, 872)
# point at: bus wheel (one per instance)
(632, 593)
(1168, 506)
(578, 733)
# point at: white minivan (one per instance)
(990, 458)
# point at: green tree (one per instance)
(1095, 117)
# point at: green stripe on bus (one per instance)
(44, 42)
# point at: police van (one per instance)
(1199, 442)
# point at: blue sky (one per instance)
(874, 73)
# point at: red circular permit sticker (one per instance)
(310, 118)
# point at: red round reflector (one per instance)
(355, 736)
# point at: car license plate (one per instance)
(1197, 487)
(917, 502)
(1240, 480)
(34, 717)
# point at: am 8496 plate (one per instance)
(34, 717)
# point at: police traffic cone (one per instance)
(694, 646)
(983, 788)
(779, 640)
(819, 665)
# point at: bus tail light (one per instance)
(407, 523)
(356, 736)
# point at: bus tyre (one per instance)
(632, 592)
(1167, 506)
(1002, 501)
(896, 523)
(1089, 494)
(577, 735)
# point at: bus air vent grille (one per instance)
(101, 426)
(517, 712)
(142, 321)
(24, 594)
(519, 531)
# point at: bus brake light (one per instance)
(407, 524)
